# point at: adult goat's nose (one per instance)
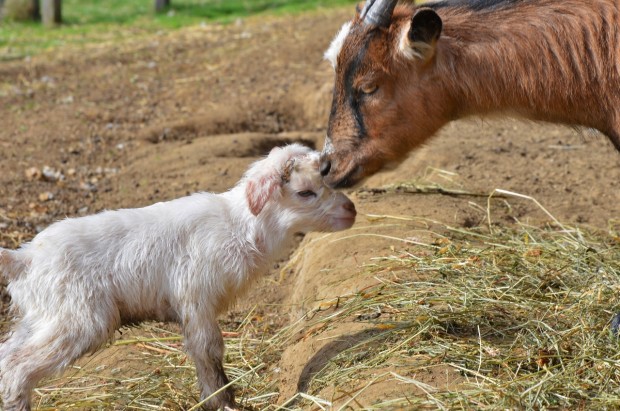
(326, 165)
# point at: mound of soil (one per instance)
(125, 125)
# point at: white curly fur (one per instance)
(183, 260)
(331, 54)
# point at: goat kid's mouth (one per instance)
(341, 223)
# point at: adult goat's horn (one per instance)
(378, 12)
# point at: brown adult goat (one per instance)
(404, 71)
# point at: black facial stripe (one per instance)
(332, 112)
(351, 94)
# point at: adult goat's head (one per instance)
(383, 103)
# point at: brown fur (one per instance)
(546, 60)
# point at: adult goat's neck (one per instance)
(524, 60)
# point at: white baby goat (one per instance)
(184, 261)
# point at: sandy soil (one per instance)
(126, 125)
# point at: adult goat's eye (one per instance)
(369, 89)
(306, 193)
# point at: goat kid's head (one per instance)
(384, 102)
(288, 182)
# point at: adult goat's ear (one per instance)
(258, 191)
(420, 39)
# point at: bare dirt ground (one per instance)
(151, 119)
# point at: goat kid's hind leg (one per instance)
(37, 350)
(15, 391)
(205, 345)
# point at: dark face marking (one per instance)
(352, 97)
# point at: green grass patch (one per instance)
(93, 21)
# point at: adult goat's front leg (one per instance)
(613, 132)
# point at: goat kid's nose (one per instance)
(326, 165)
(349, 206)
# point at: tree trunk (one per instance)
(51, 12)
(36, 10)
(161, 5)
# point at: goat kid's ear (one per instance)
(259, 191)
(423, 33)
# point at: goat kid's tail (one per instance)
(11, 265)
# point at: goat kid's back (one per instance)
(148, 259)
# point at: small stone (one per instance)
(51, 174)
(33, 173)
(74, 150)
(86, 186)
(46, 196)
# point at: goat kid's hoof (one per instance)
(615, 325)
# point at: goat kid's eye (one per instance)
(306, 193)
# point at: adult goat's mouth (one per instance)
(351, 177)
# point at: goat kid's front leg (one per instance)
(205, 345)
